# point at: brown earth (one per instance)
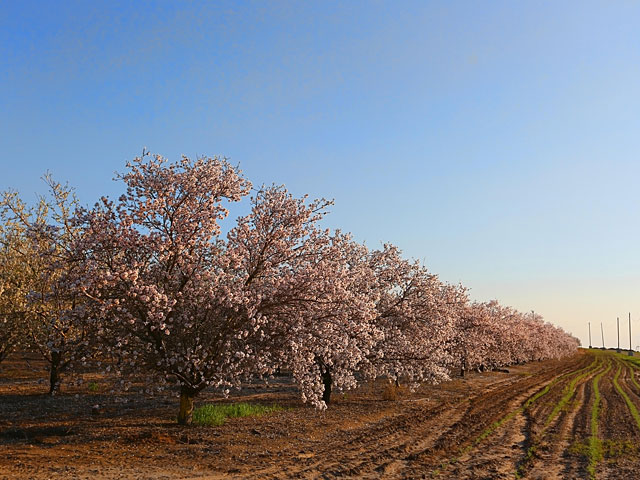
(533, 422)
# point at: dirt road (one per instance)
(571, 419)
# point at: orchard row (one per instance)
(147, 284)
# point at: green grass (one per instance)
(619, 448)
(217, 414)
(579, 448)
(611, 448)
(595, 445)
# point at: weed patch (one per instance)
(215, 415)
(618, 448)
(579, 448)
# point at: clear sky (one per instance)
(496, 141)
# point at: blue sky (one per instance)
(496, 141)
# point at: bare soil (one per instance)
(532, 422)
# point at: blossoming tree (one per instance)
(41, 280)
(300, 279)
(14, 275)
(415, 312)
(154, 269)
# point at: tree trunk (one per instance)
(185, 415)
(463, 367)
(327, 381)
(54, 373)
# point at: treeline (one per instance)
(149, 282)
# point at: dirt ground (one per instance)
(537, 421)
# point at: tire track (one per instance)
(546, 456)
(565, 420)
(619, 433)
(630, 405)
(386, 445)
(413, 443)
(497, 457)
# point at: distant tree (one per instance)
(41, 282)
(490, 336)
(14, 281)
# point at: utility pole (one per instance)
(630, 349)
(602, 332)
(618, 322)
(590, 335)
